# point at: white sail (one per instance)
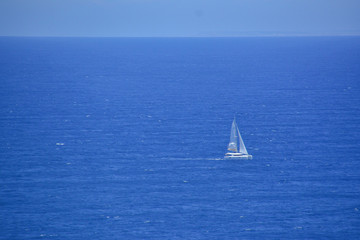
(242, 148)
(233, 138)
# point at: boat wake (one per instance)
(191, 159)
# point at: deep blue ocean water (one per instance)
(123, 138)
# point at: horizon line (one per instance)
(209, 36)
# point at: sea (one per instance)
(124, 138)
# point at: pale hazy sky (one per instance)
(149, 18)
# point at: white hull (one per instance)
(238, 156)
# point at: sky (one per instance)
(178, 18)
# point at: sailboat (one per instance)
(236, 147)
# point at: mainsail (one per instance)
(234, 138)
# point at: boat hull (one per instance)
(238, 156)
